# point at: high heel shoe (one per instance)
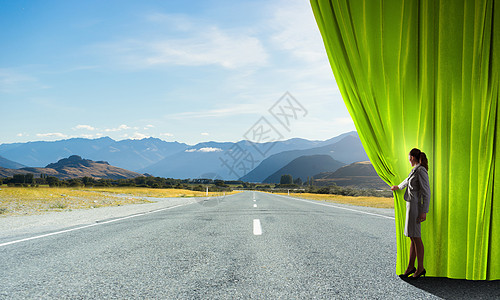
(408, 274)
(421, 274)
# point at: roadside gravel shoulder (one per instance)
(20, 226)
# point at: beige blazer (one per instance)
(418, 188)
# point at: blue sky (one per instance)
(187, 71)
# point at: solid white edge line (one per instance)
(257, 229)
(339, 207)
(90, 225)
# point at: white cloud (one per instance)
(166, 134)
(209, 149)
(148, 127)
(139, 136)
(87, 127)
(211, 47)
(204, 149)
(51, 135)
(205, 133)
(119, 128)
(200, 45)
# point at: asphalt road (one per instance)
(216, 250)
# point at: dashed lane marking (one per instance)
(257, 229)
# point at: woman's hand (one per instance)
(394, 188)
(422, 217)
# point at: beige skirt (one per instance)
(412, 224)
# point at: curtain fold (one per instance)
(425, 74)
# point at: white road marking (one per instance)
(339, 207)
(257, 229)
(255, 205)
(87, 226)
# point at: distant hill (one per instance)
(358, 174)
(346, 149)
(338, 138)
(227, 160)
(305, 166)
(193, 162)
(39, 154)
(9, 164)
(128, 154)
(5, 172)
(137, 154)
(74, 167)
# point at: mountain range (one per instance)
(304, 167)
(7, 163)
(245, 160)
(359, 174)
(347, 149)
(74, 167)
(224, 159)
(128, 154)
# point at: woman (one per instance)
(418, 196)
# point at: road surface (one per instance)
(246, 246)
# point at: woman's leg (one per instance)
(419, 247)
(413, 255)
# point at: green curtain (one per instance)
(425, 74)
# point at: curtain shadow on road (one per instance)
(447, 288)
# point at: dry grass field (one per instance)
(379, 202)
(15, 201)
(149, 192)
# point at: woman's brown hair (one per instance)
(421, 157)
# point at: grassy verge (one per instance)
(379, 202)
(15, 201)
